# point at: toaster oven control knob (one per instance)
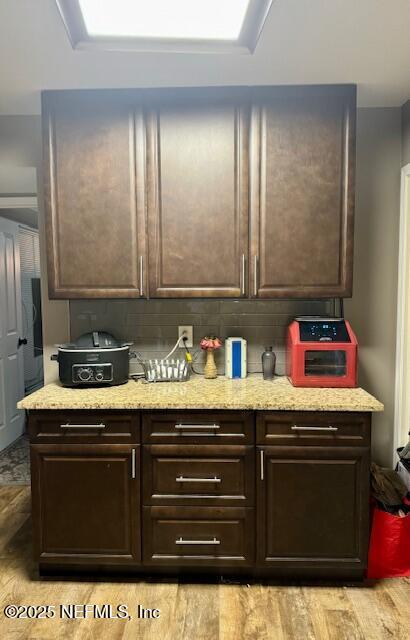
(99, 376)
(85, 374)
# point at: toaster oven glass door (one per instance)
(325, 363)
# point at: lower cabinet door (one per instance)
(312, 508)
(198, 536)
(86, 504)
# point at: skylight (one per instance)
(182, 19)
(225, 26)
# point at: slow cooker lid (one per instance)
(97, 340)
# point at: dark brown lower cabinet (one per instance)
(312, 509)
(263, 494)
(86, 504)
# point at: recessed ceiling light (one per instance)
(182, 19)
(165, 25)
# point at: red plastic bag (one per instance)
(389, 551)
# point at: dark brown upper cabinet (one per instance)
(203, 192)
(302, 191)
(197, 192)
(94, 194)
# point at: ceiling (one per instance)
(304, 41)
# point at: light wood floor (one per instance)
(190, 612)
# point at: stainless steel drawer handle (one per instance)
(243, 274)
(182, 541)
(329, 428)
(211, 480)
(82, 426)
(214, 427)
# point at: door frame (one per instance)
(402, 382)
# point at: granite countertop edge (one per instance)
(251, 393)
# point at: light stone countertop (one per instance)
(222, 393)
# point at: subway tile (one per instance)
(174, 319)
(150, 331)
(254, 334)
(176, 306)
(256, 319)
(291, 307)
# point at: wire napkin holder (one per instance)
(165, 370)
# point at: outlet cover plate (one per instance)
(189, 330)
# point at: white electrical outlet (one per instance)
(187, 330)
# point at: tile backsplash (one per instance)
(152, 325)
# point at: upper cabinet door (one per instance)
(302, 191)
(94, 194)
(197, 192)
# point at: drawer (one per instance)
(193, 474)
(207, 536)
(84, 427)
(207, 427)
(313, 428)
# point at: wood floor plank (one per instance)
(7, 494)
(296, 620)
(197, 612)
(243, 612)
(343, 625)
(374, 620)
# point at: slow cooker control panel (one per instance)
(91, 373)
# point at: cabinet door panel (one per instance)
(197, 148)
(86, 503)
(94, 195)
(302, 177)
(313, 506)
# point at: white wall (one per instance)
(20, 146)
(372, 310)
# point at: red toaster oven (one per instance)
(321, 352)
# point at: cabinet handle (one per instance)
(255, 275)
(141, 275)
(214, 427)
(262, 460)
(211, 480)
(82, 426)
(182, 541)
(133, 474)
(329, 428)
(243, 274)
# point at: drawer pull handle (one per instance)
(82, 426)
(182, 541)
(183, 479)
(329, 428)
(214, 427)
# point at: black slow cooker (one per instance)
(95, 358)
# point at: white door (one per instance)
(11, 356)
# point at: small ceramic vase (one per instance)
(210, 370)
